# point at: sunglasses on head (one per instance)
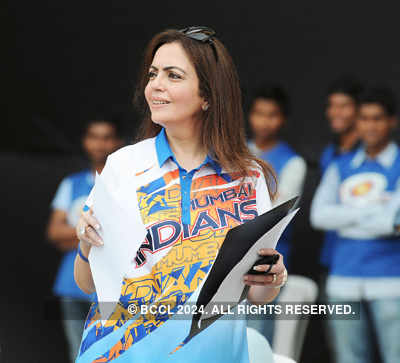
(202, 34)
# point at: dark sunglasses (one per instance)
(202, 34)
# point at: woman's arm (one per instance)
(262, 294)
(86, 231)
(83, 273)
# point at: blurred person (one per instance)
(268, 114)
(359, 198)
(191, 166)
(341, 112)
(100, 138)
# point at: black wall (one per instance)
(65, 60)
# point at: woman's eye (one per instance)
(174, 76)
(152, 75)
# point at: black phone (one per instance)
(264, 260)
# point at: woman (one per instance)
(195, 180)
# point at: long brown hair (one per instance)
(222, 130)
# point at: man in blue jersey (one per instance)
(100, 138)
(268, 115)
(341, 112)
(359, 198)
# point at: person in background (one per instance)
(100, 138)
(268, 114)
(359, 198)
(341, 113)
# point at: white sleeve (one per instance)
(381, 221)
(263, 199)
(63, 197)
(327, 212)
(291, 180)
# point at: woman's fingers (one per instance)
(253, 283)
(266, 279)
(91, 220)
(272, 280)
(87, 228)
(278, 268)
(268, 252)
(276, 275)
(88, 235)
(93, 236)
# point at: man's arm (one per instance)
(326, 211)
(291, 180)
(60, 233)
(383, 221)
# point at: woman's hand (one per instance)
(276, 277)
(265, 288)
(86, 230)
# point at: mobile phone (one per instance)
(264, 260)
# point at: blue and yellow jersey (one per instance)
(187, 215)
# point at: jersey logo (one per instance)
(363, 189)
(166, 233)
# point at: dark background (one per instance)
(65, 61)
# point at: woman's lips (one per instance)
(157, 103)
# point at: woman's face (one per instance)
(172, 91)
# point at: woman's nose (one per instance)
(157, 82)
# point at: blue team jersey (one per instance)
(329, 154)
(70, 197)
(362, 182)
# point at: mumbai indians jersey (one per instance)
(187, 215)
(366, 183)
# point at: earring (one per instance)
(205, 107)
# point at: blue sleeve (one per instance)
(63, 196)
(324, 159)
